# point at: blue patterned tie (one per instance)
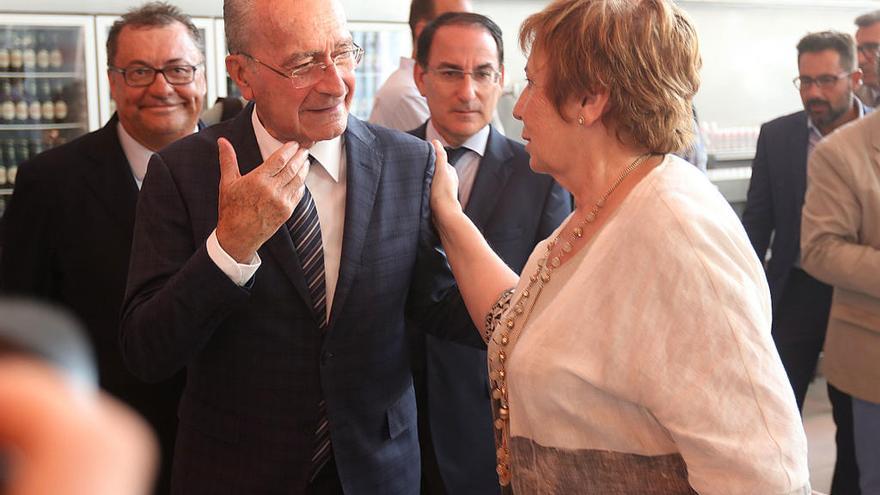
(305, 231)
(453, 154)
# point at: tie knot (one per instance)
(453, 154)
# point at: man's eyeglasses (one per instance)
(139, 76)
(309, 73)
(481, 77)
(869, 49)
(824, 81)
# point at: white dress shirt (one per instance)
(398, 103)
(467, 166)
(138, 155)
(327, 183)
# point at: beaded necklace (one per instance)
(524, 305)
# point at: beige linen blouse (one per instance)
(647, 366)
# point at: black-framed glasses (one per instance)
(139, 76)
(309, 73)
(824, 81)
(481, 77)
(869, 49)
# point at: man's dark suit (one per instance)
(514, 208)
(67, 237)
(257, 362)
(801, 303)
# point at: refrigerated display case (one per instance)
(48, 91)
(383, 43)
(102, 28)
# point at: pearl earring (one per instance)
(580, 120)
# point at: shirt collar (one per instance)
(860, 109)
(407, 63)
(476, 143)
(138, 155)
(328, 153)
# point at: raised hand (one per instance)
(252, 206)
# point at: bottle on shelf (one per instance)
(5, 45)
(15, 61)
(7, 106)
(47, 103)
(43, 51)
(22, 154)
(9, 154)
(28, 52)
(37, 146)
(61, 108)
(56, 56)
(21, 104)
(35, 109)
(2, 168)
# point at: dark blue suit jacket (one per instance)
(257, 362)
(514, 208)
(776, 196)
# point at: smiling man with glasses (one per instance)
(827, 79)
(277, 257)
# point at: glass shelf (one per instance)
(42, 127)
(40, 75)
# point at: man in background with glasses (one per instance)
(460, 72)
(827, 80)
(277, 256)
(868, 45)
(68, 229)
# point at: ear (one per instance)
(856, 78)
(592, 107)
(235, 67)
(111, 84)
(419, 76)
(501, 80)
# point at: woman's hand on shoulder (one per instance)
(444, 190)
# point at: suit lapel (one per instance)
(363, 171)
(490, 180)
(110, 178)
(798, 140)
(279, 246)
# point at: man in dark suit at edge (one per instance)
(279, 269)
(827, 79)
(68, 229)
(460, 72)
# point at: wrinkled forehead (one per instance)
(290, 27)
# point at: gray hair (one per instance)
(237, 15)
(152, 14)
(868, 19)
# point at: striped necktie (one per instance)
(305, 232)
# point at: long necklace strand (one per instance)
(524, 305)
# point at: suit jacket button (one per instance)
(325, 357)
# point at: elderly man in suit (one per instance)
(276, 256)
(68, 229)
(840, 241)
(826, 81)
(460, 72)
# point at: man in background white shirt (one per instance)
(398, 104)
